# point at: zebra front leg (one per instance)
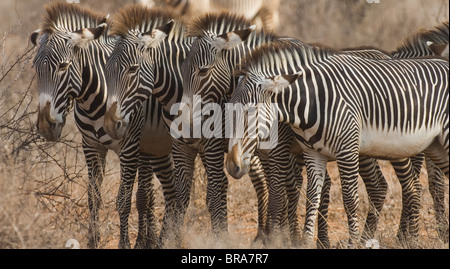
(165, 172)
(293, 187)
(95, 160)
(316, 165)
(145, 204)
(128, 169)
(217, 187)
(278, 204)
(258, 179)
(323, 240)
(348, 165)
(184, 161)
(376, 187)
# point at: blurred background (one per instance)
(43, 197)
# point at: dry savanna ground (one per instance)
(43, 186)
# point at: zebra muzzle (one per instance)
(114, 126)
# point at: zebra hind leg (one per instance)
(437, 190)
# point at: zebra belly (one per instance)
(393, 144)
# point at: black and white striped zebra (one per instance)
(141, 67)
(341, 106)
(207, 72)
(69, 63)
(421, 44)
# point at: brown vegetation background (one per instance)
(43, 186)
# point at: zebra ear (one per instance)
(83, 36)
(279, 82)
(34, 36)
(438, 49)
(152, 38)
(231, 39)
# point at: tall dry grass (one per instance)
(43, 186)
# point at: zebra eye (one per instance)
(63, 66)
(133, 69)
(203, 71)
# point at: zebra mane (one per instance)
(282, 54)
(217, 23)
(67, 17)
(142, 19)
(439, 35)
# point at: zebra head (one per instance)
(130, 77)
(58, 69)
(257, 120)
(208, 67)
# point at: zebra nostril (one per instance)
(118, 125)
(237, 169)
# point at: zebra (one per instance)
(262, 13)
(146, 63)
(425, 43)
(204, 75)
(341, 106)
(72, 51)
(421, 44)
(207, 71)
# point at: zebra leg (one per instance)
(165, 172)
(316, 165)
(217, 187)
(437, 190)
(259, 182)
(184, 161)
(128, 169)
(278, 206)
(293, 186)
(323, 241)
(409, 222)
(376, 187)
(348, 165)
(95, 161)
(145, 204)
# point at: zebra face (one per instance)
(130, 77)
(59, 75)
(122, 79)
(257, 122)
(56, 85)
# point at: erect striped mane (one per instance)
(142, 19)
(280, 55)
(67, 17)
(217, 23)
(439, 35)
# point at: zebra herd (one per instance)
(126, 74)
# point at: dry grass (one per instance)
(43, 197)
